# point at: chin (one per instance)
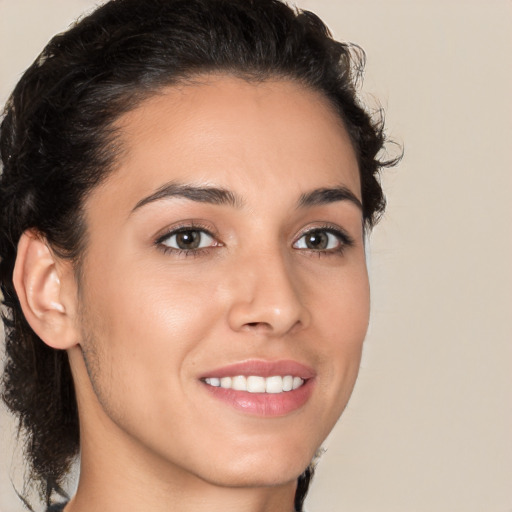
(255, 477)
(269, 468)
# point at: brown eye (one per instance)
(325, 240)
(188, 240)
(316, 240)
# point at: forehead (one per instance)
(229, 132)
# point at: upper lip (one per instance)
(263, 368)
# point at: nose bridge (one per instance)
(266, 294)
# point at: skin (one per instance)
(150, 322)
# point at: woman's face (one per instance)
(224, 253)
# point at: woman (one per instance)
(186, 188)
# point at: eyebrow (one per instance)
(201, 194)
(222, 196)
(322, 196)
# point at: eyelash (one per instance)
(159, 242)
(344, 239)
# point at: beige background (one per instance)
(429, 427)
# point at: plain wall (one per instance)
(429, 427)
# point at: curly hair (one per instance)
(57, 143)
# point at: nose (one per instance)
(266, 297)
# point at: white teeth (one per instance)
(297, 382)
(225, 382)
(288, 383)
(239, 383)
(257, 384)
(274, 384)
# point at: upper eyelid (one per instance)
(337, 230)
(172, 230)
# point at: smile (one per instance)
(256, 384)
(261, 388)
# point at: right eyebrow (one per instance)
(201, 194)
(329, 195)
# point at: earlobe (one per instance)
(38, 280)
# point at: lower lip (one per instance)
(264, 404)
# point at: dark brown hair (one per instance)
(57, 142)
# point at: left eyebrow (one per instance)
(322, 196)
(201, 194)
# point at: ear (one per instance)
(46, 289)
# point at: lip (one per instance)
(263, 404)
(264, 369)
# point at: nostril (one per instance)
(258, 326)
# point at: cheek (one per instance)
(146, 327)
(343, 308)
(342, 317)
